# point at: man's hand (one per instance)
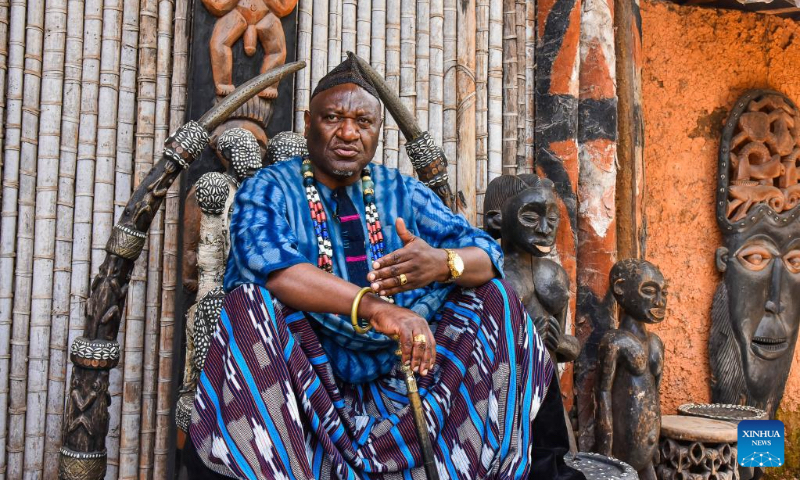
(411, 331)
(420, 264)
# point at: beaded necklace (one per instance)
(325, 257)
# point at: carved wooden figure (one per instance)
(207, 241)
(240, 152)
(756, 309)
(254, 21)
(83, 453)
(522, 211)
(631, 363)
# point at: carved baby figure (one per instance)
(631, 363)
(523, 212)
(256, 21)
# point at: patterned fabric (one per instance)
(272, 229)
(269, 406)
(352, 238)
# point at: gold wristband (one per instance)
(354, 312)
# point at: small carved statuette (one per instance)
(522, 211)
(631, 363)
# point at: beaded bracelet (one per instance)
(354, 311)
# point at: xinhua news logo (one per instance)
(760, 443)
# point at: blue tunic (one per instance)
(272, 229)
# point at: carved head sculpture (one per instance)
(522, 210)
(639, 289)
(285, 145)
(239, 151)
(253, 116)
(756, 308)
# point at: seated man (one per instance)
(289, 388)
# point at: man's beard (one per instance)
(342, 173)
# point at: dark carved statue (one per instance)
(207, 242)
(631, 363)
(522, 211)
(756, 309)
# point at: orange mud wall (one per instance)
(697, 62)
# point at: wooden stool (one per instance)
(599, 467)
(727, 413)
(695, 448)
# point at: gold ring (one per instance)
(420, 338)
(403, 279)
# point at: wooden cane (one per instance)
(414, 400)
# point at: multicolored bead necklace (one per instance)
(325, 257)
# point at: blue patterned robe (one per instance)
(272, 229)
(290, 395)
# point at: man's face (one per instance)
(530, 219)
(643, 294)
(762, 274)
(342, 128)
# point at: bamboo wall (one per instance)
(90, 90)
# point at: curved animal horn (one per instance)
(428, 158)
(220, 112)
(404, 118)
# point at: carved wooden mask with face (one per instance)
(756, 309)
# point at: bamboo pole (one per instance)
(495, 91)
(103, 208)
(23, 272)
(45, 233)
(4, 11)
(465, 86)
(303, 78)
(481, 104)
(84, 178)
(391, 144)
(522, 121)
(510, 114)
(164, 294)
(530, 82)
(363, 27)
(63, 246)
(132, 370)
(319, 42)
(8, 245)
(436, 94)
(143, 161)
(377, 55)
(164, 234)
(450, 124)
(334, 33)
(597, 239)
(423, 63)
(631, 180)
(349, 28)
(408, 81)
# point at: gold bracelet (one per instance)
(354, 312)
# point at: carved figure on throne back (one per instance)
(254, 21)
